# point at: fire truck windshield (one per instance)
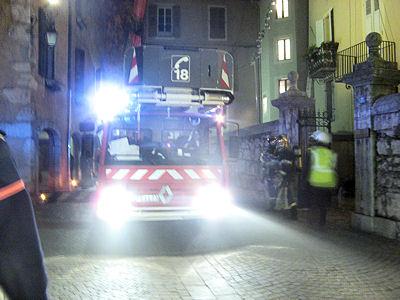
(163, 140)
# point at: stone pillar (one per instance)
(290, 104)
(370, 80)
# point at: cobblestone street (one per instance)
(257, 256)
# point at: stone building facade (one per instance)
(48, 64)
(17, 82)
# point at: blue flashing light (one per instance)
(109, 101)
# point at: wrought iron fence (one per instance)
(311, 118)
(309, 121)
(356, 54)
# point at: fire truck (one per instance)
(161, 156)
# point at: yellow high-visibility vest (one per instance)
(322, 170)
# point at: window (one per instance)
(265, 104)
(217, 23)
(46, 50)
(376, 4)
(164, 21)
(373, 18)
(283, 49)
(325, 29)
(368, 7)
(79, 75)
(283, 85)
(282, 9)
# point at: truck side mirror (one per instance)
(87, 145)
(86, 126)
(87, 159)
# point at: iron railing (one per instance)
(312, 118)
(321, 61)
(347, 58)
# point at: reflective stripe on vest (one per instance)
(323, 163)
(11, 189)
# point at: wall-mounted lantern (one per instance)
(51, 38)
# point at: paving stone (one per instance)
(296, 262)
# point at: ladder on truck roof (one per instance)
(170, 96)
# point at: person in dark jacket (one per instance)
(320, 173)
(22, 269)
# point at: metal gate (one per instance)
(309, 121)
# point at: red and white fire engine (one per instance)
(162, 154)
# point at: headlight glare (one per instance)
(213, 201)
(114, 205)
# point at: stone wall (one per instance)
(246, 170)
(16, 83)
(386, 112)
(376, 123)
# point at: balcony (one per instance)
(321, 61)
(359, 53)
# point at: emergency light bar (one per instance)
(111, 100)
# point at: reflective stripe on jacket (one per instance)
(10, 181)
(322, 170)
(11, 189)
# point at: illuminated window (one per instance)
(282, 9)
(265, 104)
(283, 49)
(283, 85)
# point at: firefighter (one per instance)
(22, 270)
(320, 171)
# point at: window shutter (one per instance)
(42, 63)
(176, 17)
(319, 28)
(152, 20)
(332, 24)
(79, 75)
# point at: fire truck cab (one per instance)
(162, 157)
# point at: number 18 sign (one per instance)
(180, 68)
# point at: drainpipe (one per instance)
(256, 64)
(328, 91)
(69, 95)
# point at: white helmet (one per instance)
(322, 137)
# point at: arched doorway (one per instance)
(49, 157)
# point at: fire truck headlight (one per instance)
(213, 201)
(114, 205)
(109, 101)
(220, 118)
